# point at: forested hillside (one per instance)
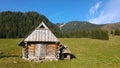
(87, 29)
(113, 28)
(19, 24)
(82, 29)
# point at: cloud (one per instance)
(108, 14)
(95, 8)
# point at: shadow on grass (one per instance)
(73, 56)
(8, 55)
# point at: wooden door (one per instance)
(40, 50)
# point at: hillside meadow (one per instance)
(86, 53)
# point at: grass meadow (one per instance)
(87, 53)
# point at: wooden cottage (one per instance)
(41, 44)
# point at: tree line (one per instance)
(94, 33)
(19, 24)
(115, 32)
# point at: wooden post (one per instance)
(24, 51)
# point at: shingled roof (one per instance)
(41, 34)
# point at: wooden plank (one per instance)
(51, 49)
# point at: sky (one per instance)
(60, 11)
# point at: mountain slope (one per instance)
(112, 27)
(77, 25)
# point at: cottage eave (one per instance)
(23, 42)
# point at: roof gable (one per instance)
(41, 34)
(42, 26)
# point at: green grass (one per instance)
(89, 53)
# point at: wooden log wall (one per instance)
(41, 50)
(31, 49)
(51, 50)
